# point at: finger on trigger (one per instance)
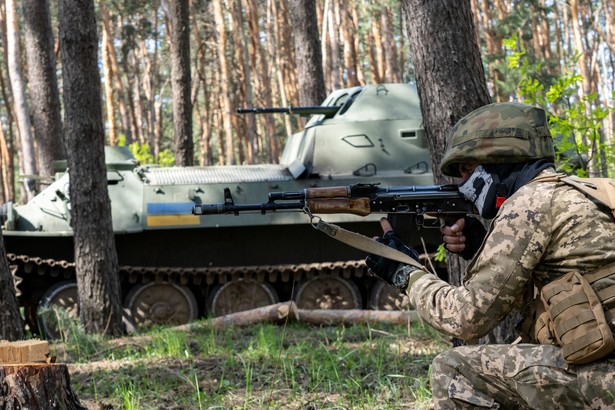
(386, 225)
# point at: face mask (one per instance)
(481, 188)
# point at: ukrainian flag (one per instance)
(171, 214)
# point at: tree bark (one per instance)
(12, 326)
(181, 83)
(225, 103)
(43, 85)
(308, 58)
(307, 52)
(107, 49)
(37, 386)
(248, 126)
(28, 160)
(100, 308)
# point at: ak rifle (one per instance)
(439, 201)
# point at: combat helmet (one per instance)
(499, 133)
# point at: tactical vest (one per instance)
(576, 310)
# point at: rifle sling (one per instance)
(366, 244)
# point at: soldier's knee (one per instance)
(453, 390)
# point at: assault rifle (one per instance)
(439, 201)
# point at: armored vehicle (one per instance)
(176, 266)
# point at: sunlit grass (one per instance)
(264, 366)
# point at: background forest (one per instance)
(242, 54)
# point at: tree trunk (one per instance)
(116, 78)
(307, 52)
(107, 47)
(225, 80)
(444, 31)
(37, 386)
(28, 161)
(100, 308)
(249, 132)
(43, 85)
(7, 149)
(181, 83)
(12, 326)
(29, 380)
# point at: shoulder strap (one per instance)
(602, 189)
(364, 243)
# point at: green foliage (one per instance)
(440, 255)
(575, 123)
(143, 153)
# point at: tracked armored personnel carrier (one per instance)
(175, 266)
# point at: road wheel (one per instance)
(58, 304)
(386, 297)
(239, 296)
(161, 304)
(328, 293)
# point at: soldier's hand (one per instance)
(385, 268)
(464, 237)
(453, 237)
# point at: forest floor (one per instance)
(265, 366)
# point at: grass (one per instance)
(266, 366)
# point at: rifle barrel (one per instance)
(220, 209)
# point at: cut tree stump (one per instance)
(29, 379)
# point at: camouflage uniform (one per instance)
(543, 231)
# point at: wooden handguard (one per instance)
(327, 192)
(356, 206)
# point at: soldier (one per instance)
(542, 230)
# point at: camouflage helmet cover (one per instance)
(499, 133)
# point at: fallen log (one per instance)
(29, 379)
(275, 313)
(288, 311)
(356, 316)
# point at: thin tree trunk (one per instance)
(377, 37)
(107, 46)
(262, 78)
(43, 85)
(334, 81)
(12, 326)
(28, 160)
(350, 53)
(277, 44)
(225, 81)
(117, 82)
(393, 74)
(247, 127)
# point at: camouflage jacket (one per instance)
(543, 231)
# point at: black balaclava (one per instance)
(489, 185)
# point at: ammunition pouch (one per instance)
(570, 314)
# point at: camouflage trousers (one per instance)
(523, 376)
